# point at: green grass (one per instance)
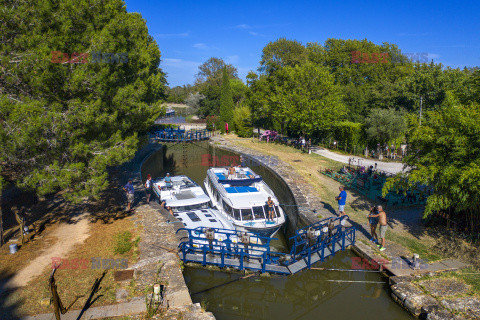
(122, 242)
(414, 246)
(471, 276)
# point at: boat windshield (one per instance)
(246, 214)
(258, 213)
(191, 207)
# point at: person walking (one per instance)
(130, 191)
(373, 224)
(148, 187)
(382, 217)
(342, 199)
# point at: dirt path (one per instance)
(68, 235)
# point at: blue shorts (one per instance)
(373, 220)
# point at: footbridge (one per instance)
(245, 250)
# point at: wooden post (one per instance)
(58, 307)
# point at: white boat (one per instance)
(189, 203)
(242, 200)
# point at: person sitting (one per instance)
(231, 172)
(168, 181)
(370, 170)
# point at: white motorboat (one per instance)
(189, 203)
(242, 199)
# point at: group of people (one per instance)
(376, 216)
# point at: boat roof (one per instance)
(247, 195)
(208, 218)
(183, 191)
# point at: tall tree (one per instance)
(226, 99)
(385, 125)
(281, 53)
(65, 123)
(445, 155)
(210, 72)
(305, 99)
(209, 82)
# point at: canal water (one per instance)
(310, 294)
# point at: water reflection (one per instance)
(311, 294)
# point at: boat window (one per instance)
(276, 211)
(258, 213)
(227, 208)
(246, 214)
(236, 214)
(193, 216)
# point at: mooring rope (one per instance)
(223, 284)
(346, 270)
(355, 281)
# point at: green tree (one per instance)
(385, 125)
(66, 123)
(226, 99)
(242, 121)
(305, 99)
(209, 82)
(281, 53)
(445, 155)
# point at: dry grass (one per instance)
(73, 282)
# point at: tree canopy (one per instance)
(63, 124)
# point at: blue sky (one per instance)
(190, 32)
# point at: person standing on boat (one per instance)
(148, 187)
(130, 191)
(342, 199)
(168, 181)
(270, 204)
(231, 172)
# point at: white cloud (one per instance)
(172, 35)
(243, 26)
(202, 46)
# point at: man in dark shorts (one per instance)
(148, 187)
(271, 213)
(373, 221)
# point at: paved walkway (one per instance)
(391, 167)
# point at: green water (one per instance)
(310, 294)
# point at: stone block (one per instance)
(414, 303)
(465, 304)
(405, 289)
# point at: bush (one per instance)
(122, 242)
(242, 121)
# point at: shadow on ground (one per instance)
(9, 304)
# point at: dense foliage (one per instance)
(62, 124)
